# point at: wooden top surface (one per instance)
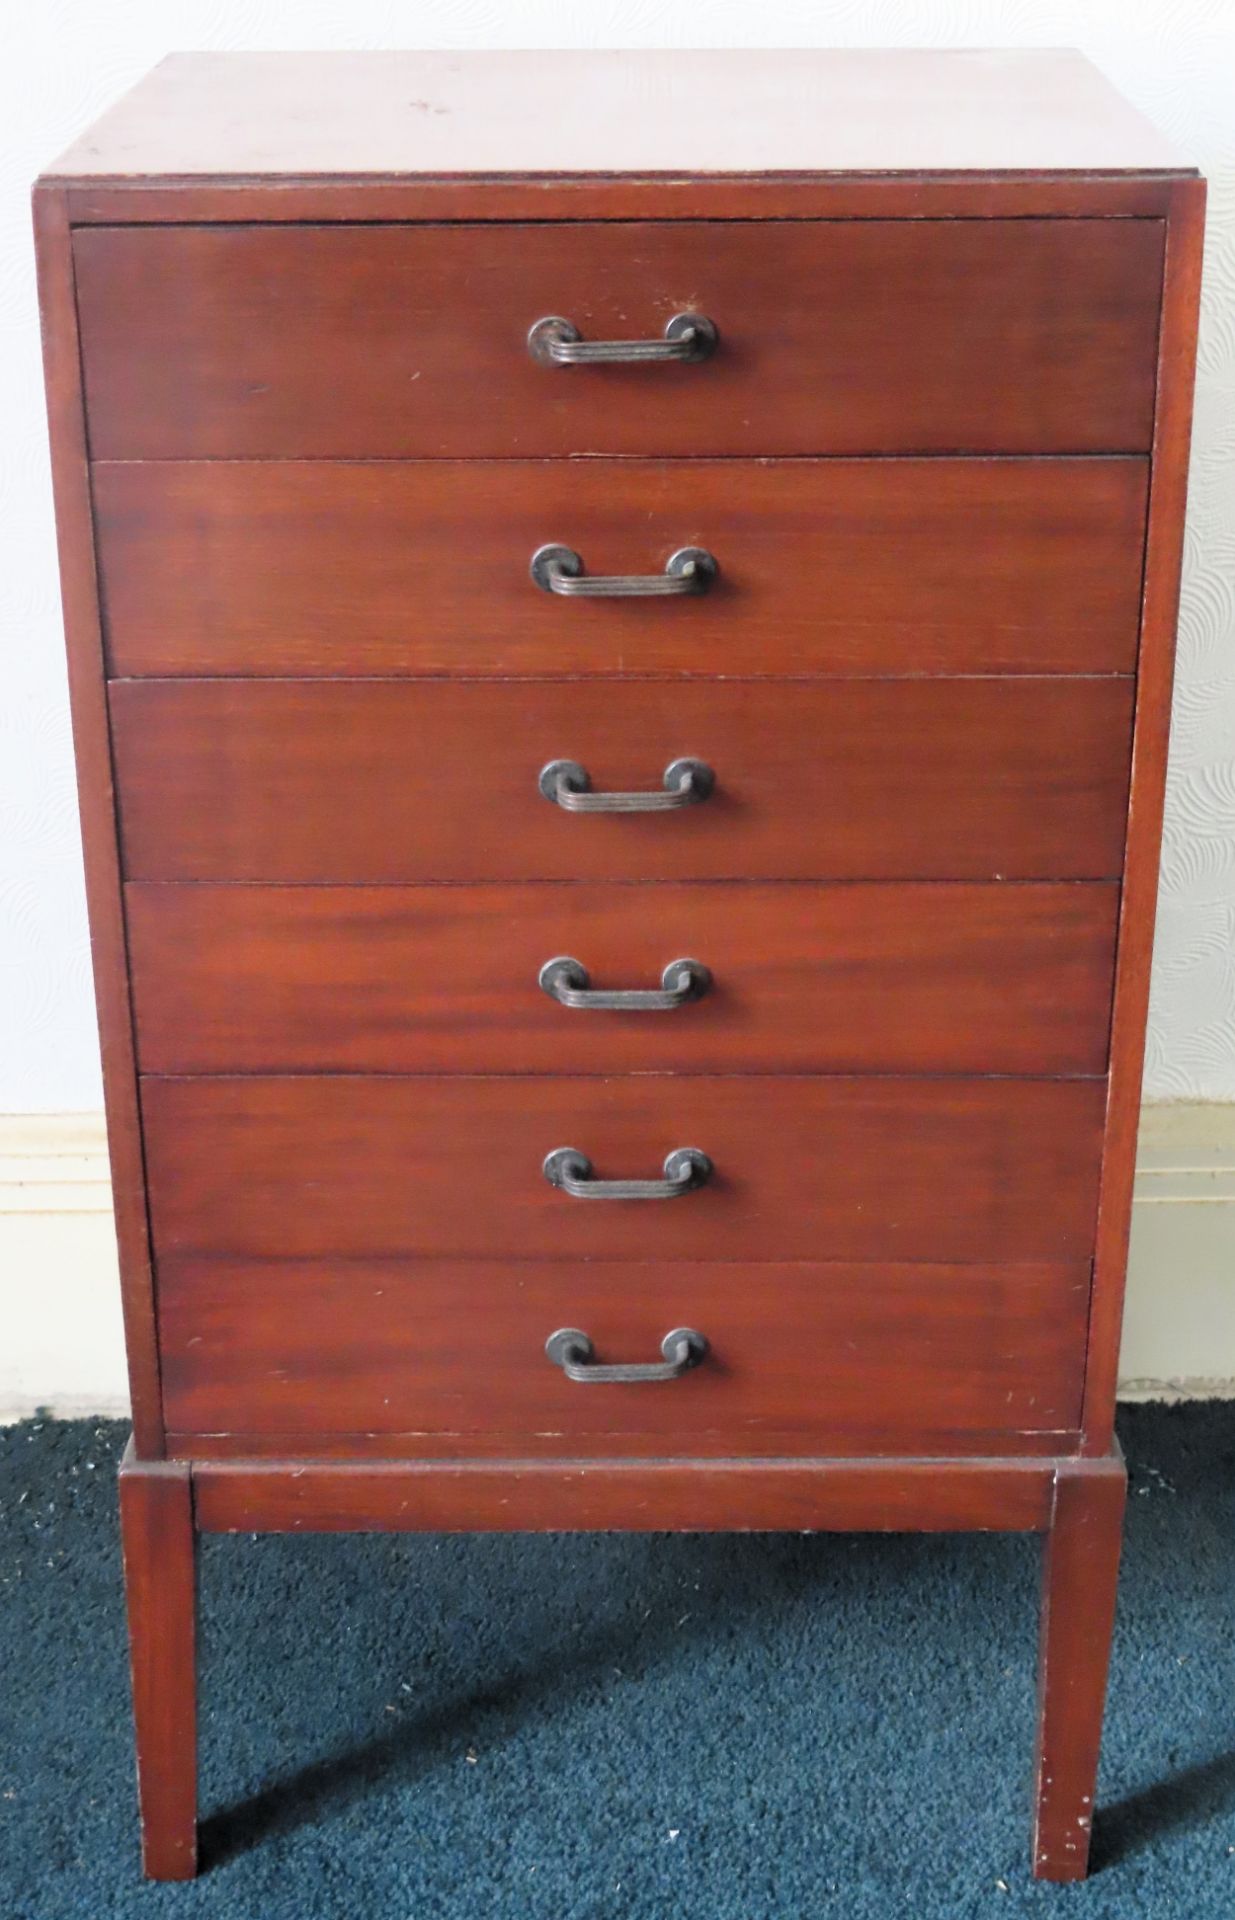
(309, 115)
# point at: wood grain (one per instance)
(805, 196)
(913, 1496)
(1027, 337)
(296, 271)
(1163, 561)
(385, 781)
(869, 978)
(447, 1449)
(816, 1355)
(1080, 1572)
(156, 1519)
(97, 800)
(902, 566)
(840, 1169)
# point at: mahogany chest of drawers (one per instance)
(620, 614)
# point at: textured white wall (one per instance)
(64, 60)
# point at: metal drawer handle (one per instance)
(686, 1169)
(557, 569)
(572, 1351)
(558, 343)
(566, 981)
(569, 786)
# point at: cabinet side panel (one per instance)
(1159, 612)
(71, 484)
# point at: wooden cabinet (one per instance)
(620, 667)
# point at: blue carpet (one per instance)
(691, 1728)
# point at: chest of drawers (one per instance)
(620, 617)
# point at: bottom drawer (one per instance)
(450, 1355)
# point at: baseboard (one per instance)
(63, 1347)
(1179, 1322)
(63, 1350)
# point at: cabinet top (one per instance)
(493, 115)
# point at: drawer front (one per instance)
(818, 1357)
(842, 1169)
(898, 978)
(839, 567)
(1034, 336)
(1012, 779)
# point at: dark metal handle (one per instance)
(557, 569)
(558, 343)
(569, 786)
(572, 1351)
(566, 981)
(686, 1169)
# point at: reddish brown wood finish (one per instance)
(541, 1496)
(1080, 1572)
(156, 1518)
(868, 1169)
(1164, 557)
(71, 483)
(449, 1449)
(871, 300)
(1027, 337)
(803, 1358)
(851, 979)
(892, 566)
(386, 781)
(919, 196)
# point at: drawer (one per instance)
(839, 567)
(863, 336)
(805, 1169)
(815, 1357)
(1015, 779)
(931, 978)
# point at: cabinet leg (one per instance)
(1080, 1571)
(156, 1525)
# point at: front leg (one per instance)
(156, 1524)
(1080, 1572)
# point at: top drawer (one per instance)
(1013, 336)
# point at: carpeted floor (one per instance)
(706, 1728)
